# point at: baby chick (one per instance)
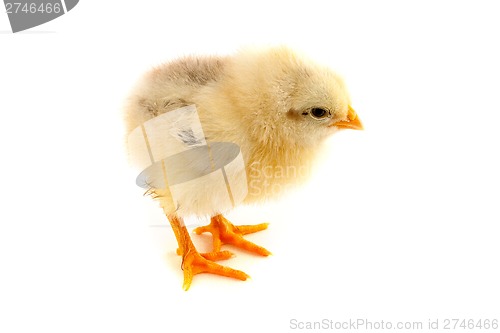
(275, 105)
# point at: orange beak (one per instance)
(352, 121)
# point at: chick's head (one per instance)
(289, 100)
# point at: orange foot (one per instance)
(195, 263)
(224, 232)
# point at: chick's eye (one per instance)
(319, 113)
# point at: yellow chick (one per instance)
(214, 132)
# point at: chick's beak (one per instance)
(352, 121)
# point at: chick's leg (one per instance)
(195, 263)
(224, 232)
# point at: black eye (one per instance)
(319, 113)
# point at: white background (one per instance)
(400, 223)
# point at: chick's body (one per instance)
(276, 105)
(252, 99)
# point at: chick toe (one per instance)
(216, 256)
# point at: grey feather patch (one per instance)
(187, 136)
